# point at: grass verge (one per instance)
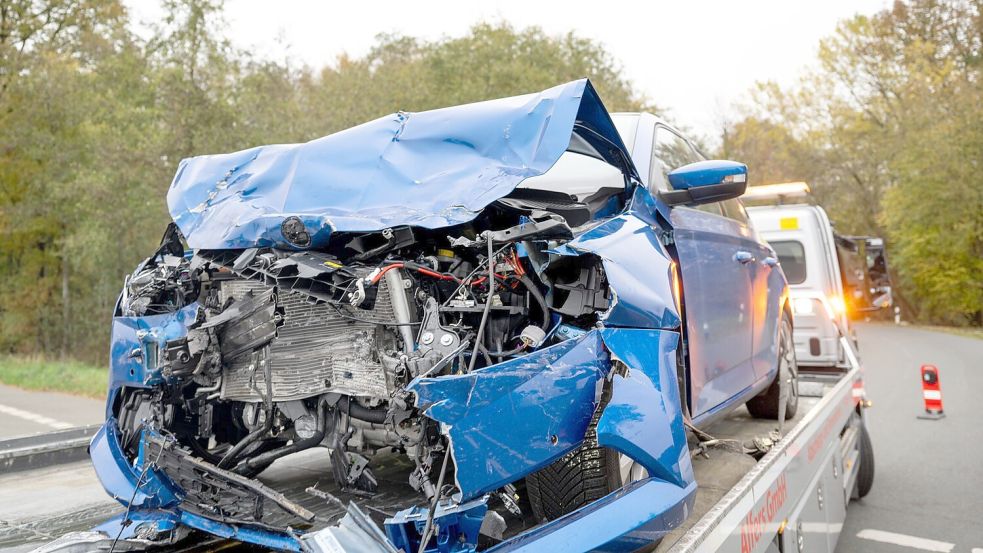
(72, 377)
(958, 330)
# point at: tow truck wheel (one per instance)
(766, 405)
(865, 472)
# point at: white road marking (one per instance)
(976, 550)
(34, 417)
(906, 540)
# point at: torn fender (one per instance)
(644, 417)
(641, 283)
(119, 478)
(136, 341)
(511, 419)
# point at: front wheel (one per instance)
(766, 405)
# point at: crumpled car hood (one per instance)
(429, 169)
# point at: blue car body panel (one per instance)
(510, 419)
(644, 419)
(430, 169)
(120, 478)
(134, 342)
(507, 420)
(642, 283)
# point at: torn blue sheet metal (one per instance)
(136, 341)
(429, 169)
(455, 527)
(512, 418)
(644, 418)
(641, 283)
(120, 479)
(154, 504)
(279, 541)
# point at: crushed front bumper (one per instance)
(537, 405)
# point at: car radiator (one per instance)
(318, 348)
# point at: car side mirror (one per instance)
(706, 182)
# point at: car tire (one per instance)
(580, 477)
(865, 472)
(766, 404)
(576, 479)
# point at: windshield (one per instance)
(627, 125)
(585, 177)
(577, 175)
(791, 254)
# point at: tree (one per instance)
(888, 130)
(93, 121)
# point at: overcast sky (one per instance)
(696, 58)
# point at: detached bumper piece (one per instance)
(219, 494)
(456, 527)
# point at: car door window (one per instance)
(734, 209)
(671, 151)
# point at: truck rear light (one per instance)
(838, 305)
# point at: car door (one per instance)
(768, 286)
(716, 254)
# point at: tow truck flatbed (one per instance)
(795, 497)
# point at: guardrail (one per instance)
(44, 450)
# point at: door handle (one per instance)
(769, 261)
(743, 257)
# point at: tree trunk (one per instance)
(66, 305)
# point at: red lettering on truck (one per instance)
(756, 521)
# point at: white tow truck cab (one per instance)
(805, 244)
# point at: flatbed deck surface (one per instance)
(720, 470)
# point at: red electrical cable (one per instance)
(421, 270)
(386, 269)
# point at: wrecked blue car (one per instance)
(478, 327)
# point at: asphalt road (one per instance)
(23, 413)
(928, 486)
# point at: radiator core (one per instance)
(316, 349)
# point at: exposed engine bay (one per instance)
(291, 350)
(466, 321)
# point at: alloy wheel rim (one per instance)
(630, 470)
